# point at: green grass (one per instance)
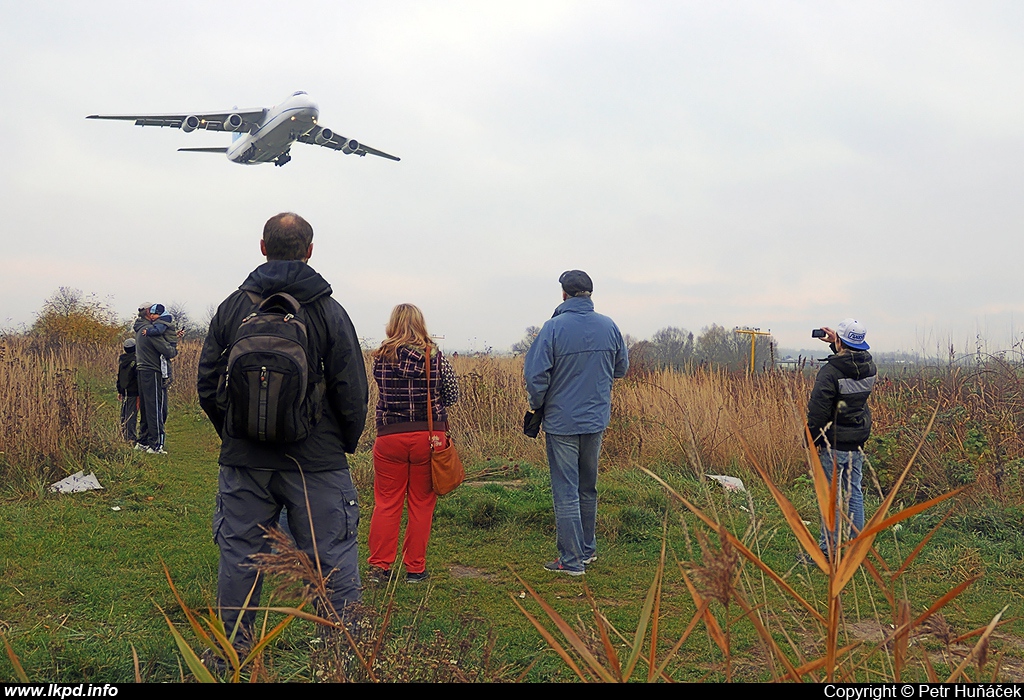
(80, 582)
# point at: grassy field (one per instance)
(81, 580)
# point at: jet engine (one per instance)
(351, 146)
(232, 123)
(190, 123)
(324, 136)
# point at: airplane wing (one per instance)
(240, 119)
(329, 139)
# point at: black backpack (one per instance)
(271, 391)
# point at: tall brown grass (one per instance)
(689, 422)
(49, 416)
(734, 574)
(685, 422)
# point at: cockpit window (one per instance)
(300, 92)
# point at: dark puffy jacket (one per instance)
(839, 400)
(127, 377)
(332, 339)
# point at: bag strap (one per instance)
(430, 408)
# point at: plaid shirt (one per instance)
(402, 385)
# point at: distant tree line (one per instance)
(677, 348)
(71, 317)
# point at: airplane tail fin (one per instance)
(205, 150)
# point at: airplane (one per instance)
(260, 135)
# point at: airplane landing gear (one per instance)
(282, 159)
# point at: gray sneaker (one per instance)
(558, 567)
(590, 560)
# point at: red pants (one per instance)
(401, 472)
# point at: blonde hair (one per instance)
(405, 327)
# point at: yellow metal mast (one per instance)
(753, 333)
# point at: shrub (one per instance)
(69, 317)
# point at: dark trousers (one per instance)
(249, 501)
(129, 417)
(152, 396)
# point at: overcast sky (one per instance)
(773, 164)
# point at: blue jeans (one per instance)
(849, 468)
(573, 463)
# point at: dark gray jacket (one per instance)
(333, 342)
(149, 348)
(839, 400)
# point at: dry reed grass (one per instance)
(684, 422)
(733, 573)
(49, 419)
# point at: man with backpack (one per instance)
(282, 378)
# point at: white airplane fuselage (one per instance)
(261, 134)
(281, 126)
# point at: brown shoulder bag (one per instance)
(446, 470)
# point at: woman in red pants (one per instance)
(401, 454)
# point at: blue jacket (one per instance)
(570, 367)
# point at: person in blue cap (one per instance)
(839, 419)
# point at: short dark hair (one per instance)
(287, 236)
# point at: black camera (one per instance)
(818, 333)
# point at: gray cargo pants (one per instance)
(250, 498)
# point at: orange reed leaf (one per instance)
(978, 648)
(911, 511)
(197, 628)
(18, 670)
(569, 633)
(812, 666)
(549, 638)
(928, 668)
(880, 581)
(861, 544)
(976, 632)
(824, 490)
(793, 519)
(766, 636)
(902, 638)
(135, 664)
(266, 639)
(702, 603)
(941, 602)
(656, 613)
(302, 614)
(602, 628)
(740, 547)
(920, 545)
(686, 634)
(228, 649)
(196, 666)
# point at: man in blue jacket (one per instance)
(569, 371)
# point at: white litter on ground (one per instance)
(729, 483)
(76, 482)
